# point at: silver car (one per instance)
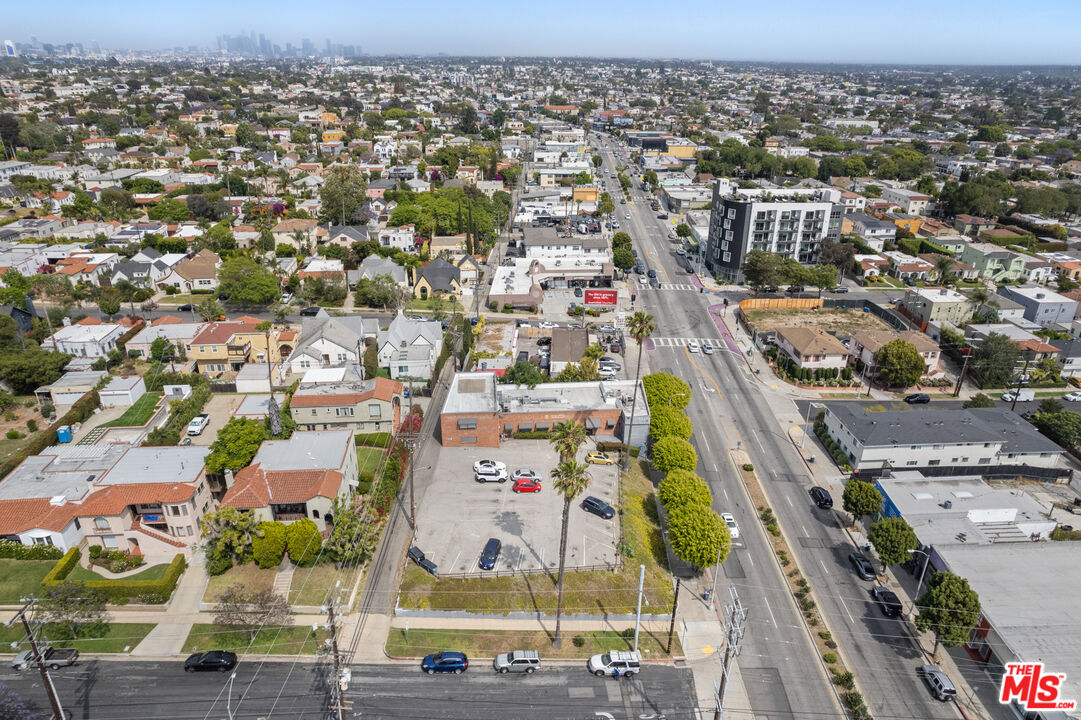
(519, 661)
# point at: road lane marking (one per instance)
(850, 618)
(824, 568)
(789, 501)
(771, 617)
(699, 369)
(726, 496)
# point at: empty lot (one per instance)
(837, 320)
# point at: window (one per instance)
(403, 369)
(934, 462)
(984, 461)
(109, 541)
(77, 525)
(467, 424)
(374, 410)
(180, 531)
(912, 462)
(101, 523)
(47, 540)
(174, 510)
(343, 412)
(315, 514)
(468, 441)
(315, 411)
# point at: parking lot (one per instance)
(457, 515)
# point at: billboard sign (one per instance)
(601, 297)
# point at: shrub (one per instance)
(666, 390)
(63, 567)
(843, 679)
(123, 588)
(825, 634)
(364, 483)
(748, 467)
(830, 658)
(682, 487)
(32, 425)
(13, 434)
(218, 565)
(667, 421)
(673, 453)
(304, 541)
(531, 435)
(268, 545)
(18, 551)
(153, 598)
(578, 641)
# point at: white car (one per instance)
(707, 347)
(489, 465)
(730, 521)
(692, 345)
(627, 216)
(548, 325)
(1072, 397)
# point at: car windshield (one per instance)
(606, 659)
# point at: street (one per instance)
(297, 691)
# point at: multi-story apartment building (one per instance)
(789, 222)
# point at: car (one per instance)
(609, 367)
(939, 682)
(862, 565)
(417, 555)
(52, 658)
(490, 554)
(918, 399)
(490, 465)
(841, 289)
(547, 325)
(608, 376)
(622, 202)
(543, 341)
(526, 485)
(671, 236)
(198, 424)
(692, 346)
(578, 292)
(707, 347)
(220, 660)
(887, 599)
(662, 216)
(1072, 397)
(910, 282)
(287, 298)
(794, 289)
(730, 521)
(596, 457)
(524, 474)
(310, 311)
(615, 225)
(608, 360)
(652, 273)
(448, 661)
(598, 507)
(626, 216)
(770, 289)
(821, 497)
(490, 474)
(615, 663)
(519, 661)
(653, 283)
(186, 307)
(681, 252)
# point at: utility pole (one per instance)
(672, 624)
(1020, 382)
(967, 352)
(638, 613)
(46, 679)
(736, 617)
(340, 680)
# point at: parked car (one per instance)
(578, 292)
(1074, 380)
(918, 399)
(448, 661)
(1072, 397)
(615, 663)
(542, 341)
(692, 346)
(417, 555)
(681, 252)
(841, 289)
(198, 424)
(490, 474)
(939, 682)
(894, 300)
(653, 283)
(527, 485)
(598, 507)
(596, 457)
(887, 599)
(186, 307)
(821, 497)
(489, 465)
(52, 658)
(910, 282)
(309, 311)
(519, 661)
(862, 565)
(1019, 395)
(652, 273)
(730, 521)
(220, 660)
(287, 298)
(490, 554)
(770, 289)
(794, 289)
(547, 325)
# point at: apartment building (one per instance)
(789, 222)
(910, 201)
(936, 305)
(1042, 306)
(364, 406)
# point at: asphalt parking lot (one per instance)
(457, 515)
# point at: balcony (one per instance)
(289, 517)
(238, 350)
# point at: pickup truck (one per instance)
(198, 424)
(54, 658)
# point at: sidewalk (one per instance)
(182, 612)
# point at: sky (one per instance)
(992, 32)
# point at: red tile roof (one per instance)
(112, 499)
(219, 333)
(18, 516)
(167, 320)
(255, 488)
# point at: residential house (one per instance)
(971, 225)
(82, 340)
(375, 265)
(904, 221)
(345, 235)
(872, 265)
(935, 305)
(873, 231)
(400, 238)
(438, 276)
(179, 334)
(994, 262)
(409, 348)
(296, 232)
(910, 201)
(905, 266)
(199, 272)
(326, 269)
(297, 478)
(865, 343)
(453, 245)
(811, 347)
(960, 270)
(469, 270)
(363, 406)
(227, 346)
(327, 341)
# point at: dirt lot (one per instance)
(836, 320)
(496, 337)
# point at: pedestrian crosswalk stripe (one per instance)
(677, 286)
(717, 343)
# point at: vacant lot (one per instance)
(488, 644)
(835, 320)
(251, 575)
(311, 586)
(21, 578)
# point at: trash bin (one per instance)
(811, 459)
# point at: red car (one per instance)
(524, 484)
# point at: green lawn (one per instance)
(120, 638)
(489, 643)
(593, 591)
(19, 578)
(251, 575)
(311, 585)
(449, 305)
(296, 640)
(154, 572)
(138, 414)
(178, 299)
(368, 459)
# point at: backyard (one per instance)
(138, 414)
(839, 321)
(369, 459)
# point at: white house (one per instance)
(122, 391)
(416, 336)
(399, 238)
(327, 341)
(85, 340)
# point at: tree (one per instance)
(698, 535)
(944, 269)
(899, 364)
(892, 538)
(979, 400)
(159, 347)
(109, 303)
(861, 498)
(650, 178)
(1049, 405)
(621, 238)
(949, 608)
(830, 166)
(640, 327)
(683, 487)
(822, 277)
(855, 167)
(348, 543)
(27, 370)
(210, 309)
(228, 533)
(524, 373)
(683, 230)
(245, 282)
(606, 206)
(666, 421)
(665, 389)
(994, 359)
(236, 445)
(75, 608)
(567, 437)
(169, 211)
(570, 479)
(342, 195)
(674, 453)
(304, 541)
(623, 258)
(246, 610)
(761, 268)
(1063, 427)
(268, 545)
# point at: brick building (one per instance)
(479, 411)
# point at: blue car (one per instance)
(490, 553)
(444, 662)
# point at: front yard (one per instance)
(154, 572)
(21, 578)
(311, 586)
(250, 575)
(292, 640)
(119, 638)
(369, 460)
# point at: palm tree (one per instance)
(640, 326)
(979, 295)
(567, 437)
(944, 268)
(570, 479)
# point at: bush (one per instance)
(18, 551)
(364, 483)
(62, 568)
(673, 453)
(578, 641)
(666, 390)
(376, 440)
(32, 425)
(304, 541)
(665, 421)
(830, 658)
(268, 545)
(617, 447)
(531, 435)
(748, 467)
(218, 565)
(153, 598)
(682, 487)
(13, 434)
(123, 588)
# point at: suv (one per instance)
(598, 507)
(490, 474)
(941, 686)
(821, 497)
(918, 399)
(417, 555)
(615, 663)
(446, 661)
(794, 289)
(526, 661)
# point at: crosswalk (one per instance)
(717, 343)
(678, 286)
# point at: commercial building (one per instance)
(480, 412)
(789, 222)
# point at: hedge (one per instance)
(18, 551)
(119, 589)
(376, 440)
(617, 447)
(62, 568)
(82, 409)
(531, 435)
(122, 343)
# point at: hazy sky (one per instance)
(915, 31)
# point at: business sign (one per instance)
(601, 297)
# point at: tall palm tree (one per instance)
(641, 326)
(979, 295)
(567, 437)
(570, 479)
(944, 268)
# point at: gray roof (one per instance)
(358, 233)
(439, 273)
(930, 427)
(320, 450)
(375, 265)
(347, 331)
(405, 331)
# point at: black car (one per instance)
(821, 497)
(598, 507)
(652, 273)
(910, 282)
(918, 399)
(186, 307)
(541, 341)
(863, 566)
(794, 289)
(887, 600)
(417, 555)
(490, 553)
(220, 660)
(769, 289)
(309, 311)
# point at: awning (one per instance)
(592, 424)
(542, 426)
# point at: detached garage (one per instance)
(70, 387)
(122, 391)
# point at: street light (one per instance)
(678, 394)
(926, 561)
